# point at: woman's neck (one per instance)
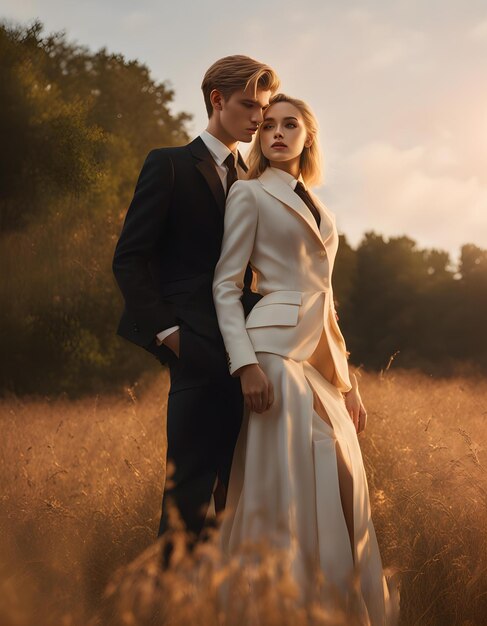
(291, 167)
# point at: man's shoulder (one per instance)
(170, 158)
(170, 151)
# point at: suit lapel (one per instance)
(206, 165)
(286, 194)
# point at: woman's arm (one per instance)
(354, 404)
(352, 397)
(241, 216)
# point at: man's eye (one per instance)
(247, 105)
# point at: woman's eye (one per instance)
(267, 126)
(291, 125)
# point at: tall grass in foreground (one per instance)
(81, 485)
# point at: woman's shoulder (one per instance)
(246, 183)
(243, 188)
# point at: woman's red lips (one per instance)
(278, 144)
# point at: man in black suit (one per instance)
(164, 263)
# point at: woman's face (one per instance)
(283, 134)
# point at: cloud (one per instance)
(383, 44)
(26, 10)
(403, 191)
(135, 22)
(398, 91)
(479, 31)
(405, 51)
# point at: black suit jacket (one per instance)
(169, 245)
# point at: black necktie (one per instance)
(232, 175)
(306, 198)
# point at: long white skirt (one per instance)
(284, 489)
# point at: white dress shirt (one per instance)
(289, 178)
(219, 151)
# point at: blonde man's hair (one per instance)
(310, 165)
(236, 72)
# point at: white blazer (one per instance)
(268, 224)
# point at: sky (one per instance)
(399, 88)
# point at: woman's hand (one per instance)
(355, 407)
(256, 388)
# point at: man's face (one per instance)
(242, 113)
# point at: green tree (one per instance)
(76, 127)
(49, 148)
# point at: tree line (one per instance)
(76, 126)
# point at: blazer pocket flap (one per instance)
(280, 297)
(278, 314)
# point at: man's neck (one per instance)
(219, 133)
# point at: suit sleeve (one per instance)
(241, 217)
(143, 227)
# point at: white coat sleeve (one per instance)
(240, 226)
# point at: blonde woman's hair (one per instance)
(236, 72)
(311, 160)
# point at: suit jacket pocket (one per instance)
(278, 308)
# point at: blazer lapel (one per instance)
(206, 165)
(286, 194)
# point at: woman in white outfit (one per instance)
(297, 477)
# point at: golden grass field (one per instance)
(81, 487)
